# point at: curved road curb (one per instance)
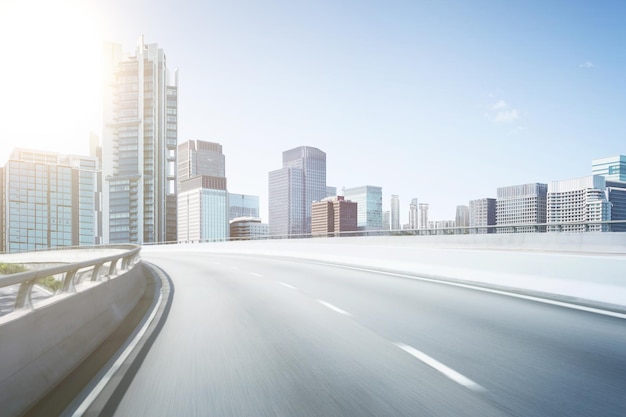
(103, 394)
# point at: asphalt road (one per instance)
(252, 336)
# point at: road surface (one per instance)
(254, 336)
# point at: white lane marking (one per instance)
(118, 363)
(334, 308)
(256, 275)
(287, 285)
(449, 372)
(489, 290)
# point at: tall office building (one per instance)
(139, 144)
(293, 188)
(462, 217)
(423, 208)
(395, 212)
(331, 191)
(199, 157)
(612, 168)
(521, 204)
(482, 213)
(386, 220)
(242, 205)
(369, 199)
(413, 217)
(333, 215)
(203, 206)
(577, 201)
(48, 201)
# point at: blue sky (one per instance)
(440, 100)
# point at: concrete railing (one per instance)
(42, 342)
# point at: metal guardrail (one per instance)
(92, 269)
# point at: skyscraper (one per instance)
(395, 212)
(521, 204)
(369, 201)
(203, 197)
(242, 205)
(199, 157)
(413, 217)
(462, 217)
(293, 188)
(49, 200)
(423, 208)
(139, 145)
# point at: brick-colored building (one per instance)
(333, 215)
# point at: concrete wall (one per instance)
(573, 266)
(40, 347)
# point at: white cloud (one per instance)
(500, 105)
(506, 116)
(587, 64)
(501, 112)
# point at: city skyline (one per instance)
(513, 95)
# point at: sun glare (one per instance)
(51, 73)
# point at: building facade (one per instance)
(293, 189)
(612, 168)
(482, 212)
(199, 157)
(462, 217)
(369, 199)
(577, 201)
(203, 209)
(49, 200)
(521, 204)
(395, 212)
(203, 199)
(333, 215)
(139, 145)
(248, 228)
(423, 208)
(413, 215)
(242, 205)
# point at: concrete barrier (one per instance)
(581, 267)
(44, 345)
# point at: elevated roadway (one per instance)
(268, 336)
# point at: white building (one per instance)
(578, 201)
(203, 209)
(395, 212)
(521, 204)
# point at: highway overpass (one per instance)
(389, 326)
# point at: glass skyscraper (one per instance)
(242, 205)
(294, 188)
(139, 146)
(49, 200)
(369, 201)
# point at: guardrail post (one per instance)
(68, 281)
(112, 268)
(96, 272)
(24, 299)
